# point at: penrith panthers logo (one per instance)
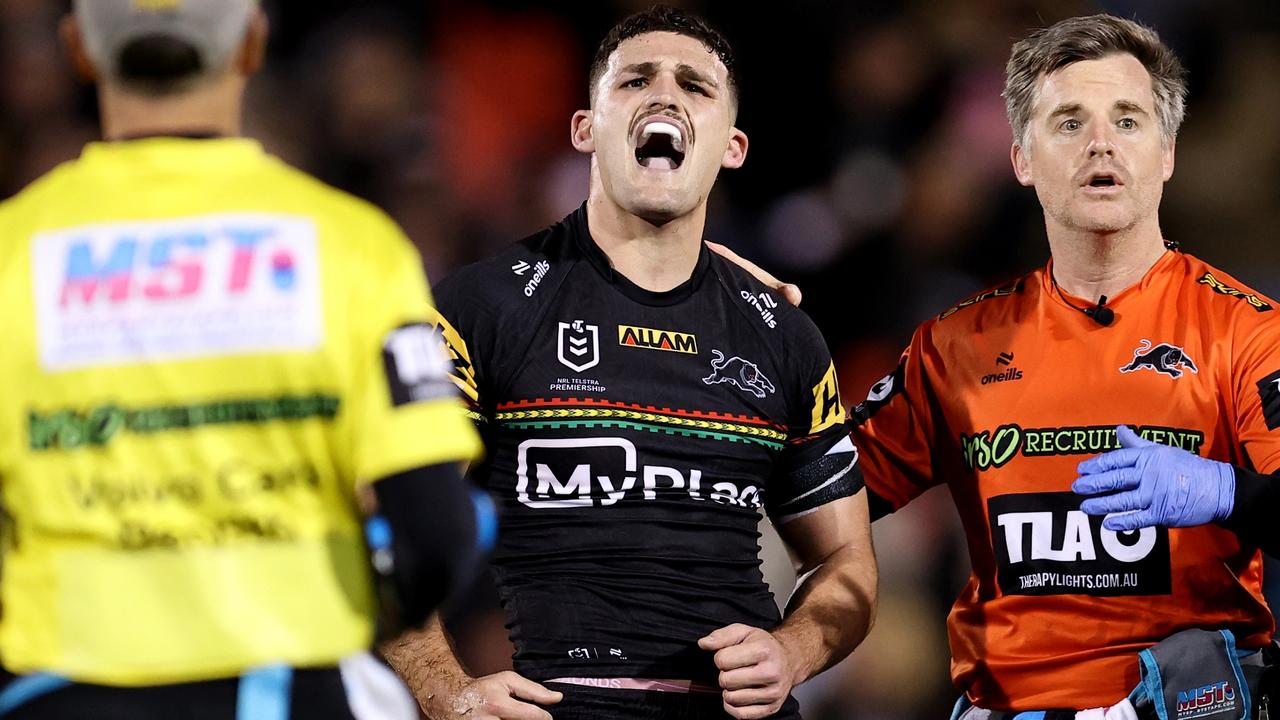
(741, 373)
(1163, 358)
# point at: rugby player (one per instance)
(207, 353)
(1121, 345)
(640, 399)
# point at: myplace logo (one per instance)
(602, 471)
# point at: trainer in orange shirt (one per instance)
(1004, 395)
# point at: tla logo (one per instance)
(1044, 545)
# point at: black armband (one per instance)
(427, 541)
(1253, 515)
(830, 477)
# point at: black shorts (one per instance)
(588, 703)
(319, 693)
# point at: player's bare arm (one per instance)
(426, 662)
(828, 616)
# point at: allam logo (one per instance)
(216, 284)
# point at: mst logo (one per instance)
(1207, 700)
(742, 374)
(1044, 545)
(209, 285)
(1163, 358)
(587, 472)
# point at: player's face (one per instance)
(661, 126)
(1095, 154)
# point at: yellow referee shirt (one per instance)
(202, 352)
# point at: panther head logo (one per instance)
(743, 374)
(1163, 358)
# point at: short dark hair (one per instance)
(1091, 38)
(664, 18)
(159, 65)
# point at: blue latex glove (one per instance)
(1155, 484)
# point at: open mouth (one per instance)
(1102, 180)
(660, 146)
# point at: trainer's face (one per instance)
(660, 126)
(1094, 151)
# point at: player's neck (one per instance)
(1089, 264)
(211, 109)
(655, 257)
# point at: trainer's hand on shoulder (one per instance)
(503, 696)
(789, 292)
(755, 671)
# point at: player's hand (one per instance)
(755, 671)
(1152, 484)
(789, 292)
(503, 696)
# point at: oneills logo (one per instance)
(650, 339)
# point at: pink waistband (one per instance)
(612, 683)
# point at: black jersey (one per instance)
(632, 436)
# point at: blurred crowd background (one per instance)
(878, 179)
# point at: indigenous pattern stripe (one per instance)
(574, 412)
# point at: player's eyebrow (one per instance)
(644, 69)
(1129, 106)
(1065, 109)
(688, 72)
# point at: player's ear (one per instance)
(580, 132)
(1166, 159)
(736, 153)
(73, 44)
(1021, 160)
(253, 49)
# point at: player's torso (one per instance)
(1029, 393)
(629, 444)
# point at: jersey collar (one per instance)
(587, 245)
(1162, 266)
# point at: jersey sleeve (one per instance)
(408, 412)
(467, 326)
(1256, 379)
(819, 462)
(893, 428)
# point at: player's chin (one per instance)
(1104, 219)
(659, 207)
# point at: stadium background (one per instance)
(877, 179)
